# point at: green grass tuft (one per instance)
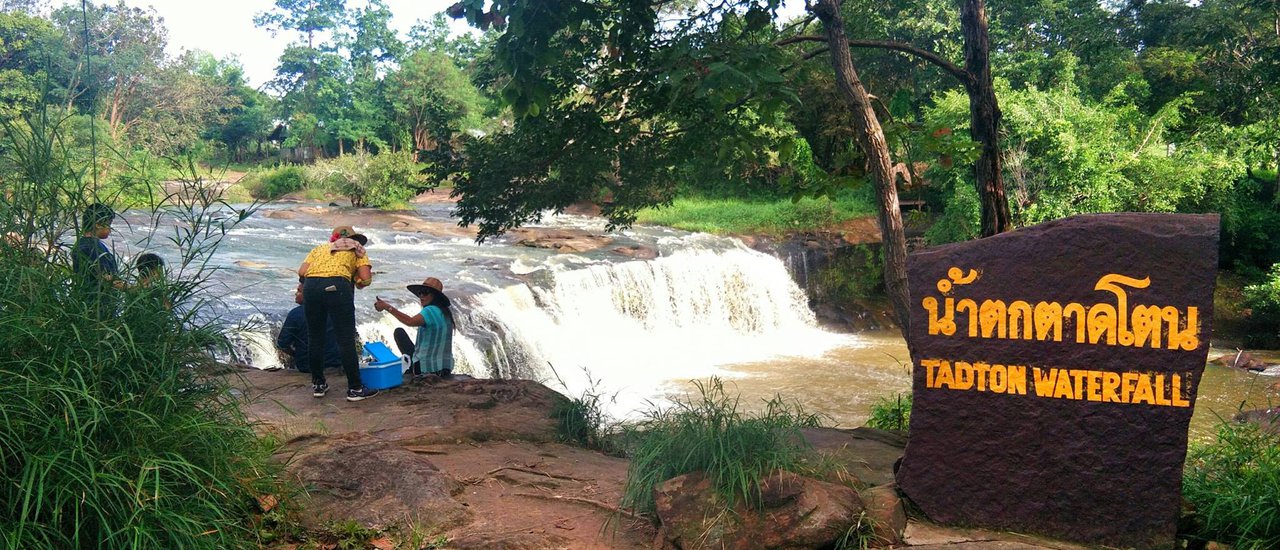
(1234, 484)
(114, 430)
(709, 433)
(891, 413)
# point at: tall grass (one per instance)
(583, 420)
(115, 430)
(1234, 484)
(730, 216)
(709, 433)
(891, 413)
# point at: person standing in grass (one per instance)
(94, 264)
(433, 352)
(151, 279)
(331, 272)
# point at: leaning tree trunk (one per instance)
(871, 140)
(984, 118)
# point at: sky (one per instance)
(225, 27)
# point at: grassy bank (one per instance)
(117, 431)
(738, 216)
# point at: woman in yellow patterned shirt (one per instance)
(331, 273)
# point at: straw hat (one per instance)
(428, 283)
(348, 232)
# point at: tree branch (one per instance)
(955, 70)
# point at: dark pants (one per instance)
(406, 346)
(335, 306)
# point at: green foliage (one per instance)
(139, 182)
(384, 180)
(117, 432)
(1234, 484)
(583, 421)
(434, 100)
(276, 182)
(1065, 156)
(891, 413)
(1262, 302)
(23, 40)
(962, 217)
(709, 433)
(778, 217)
(854, 274)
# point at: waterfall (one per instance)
(631, 327)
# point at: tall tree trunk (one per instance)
(871, 140)
(984, 118)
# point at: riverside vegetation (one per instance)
(115, 432)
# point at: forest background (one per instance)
(1158, 106)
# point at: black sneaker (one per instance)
(360, 394)
(318, 390)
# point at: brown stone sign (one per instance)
(1055, 372)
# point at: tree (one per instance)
(29, 7)
(180, 104)
(309, 76)
(126, 47)
(984, 121)
(872, 142)
(434, 99)
(247, 116)
(23, 40)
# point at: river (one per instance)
(636, 332)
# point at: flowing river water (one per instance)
(636, 332)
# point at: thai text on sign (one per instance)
(1113, 323)
(1118, 324)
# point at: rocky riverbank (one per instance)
(467, 463)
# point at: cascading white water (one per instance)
(627, 329)
(584, 321)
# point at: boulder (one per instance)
(798, 512)
(1266, 419)
(1241, 360)
(886, 513)
(375, 483)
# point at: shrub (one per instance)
(709, 433)
(891, 413)
(280, 181)
(961, 218)
(1262, 301)
(382, 180)
(1234, 484)
(115, 432)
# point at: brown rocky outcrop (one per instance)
(375, 483)
(797, 512)
(560, 240)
